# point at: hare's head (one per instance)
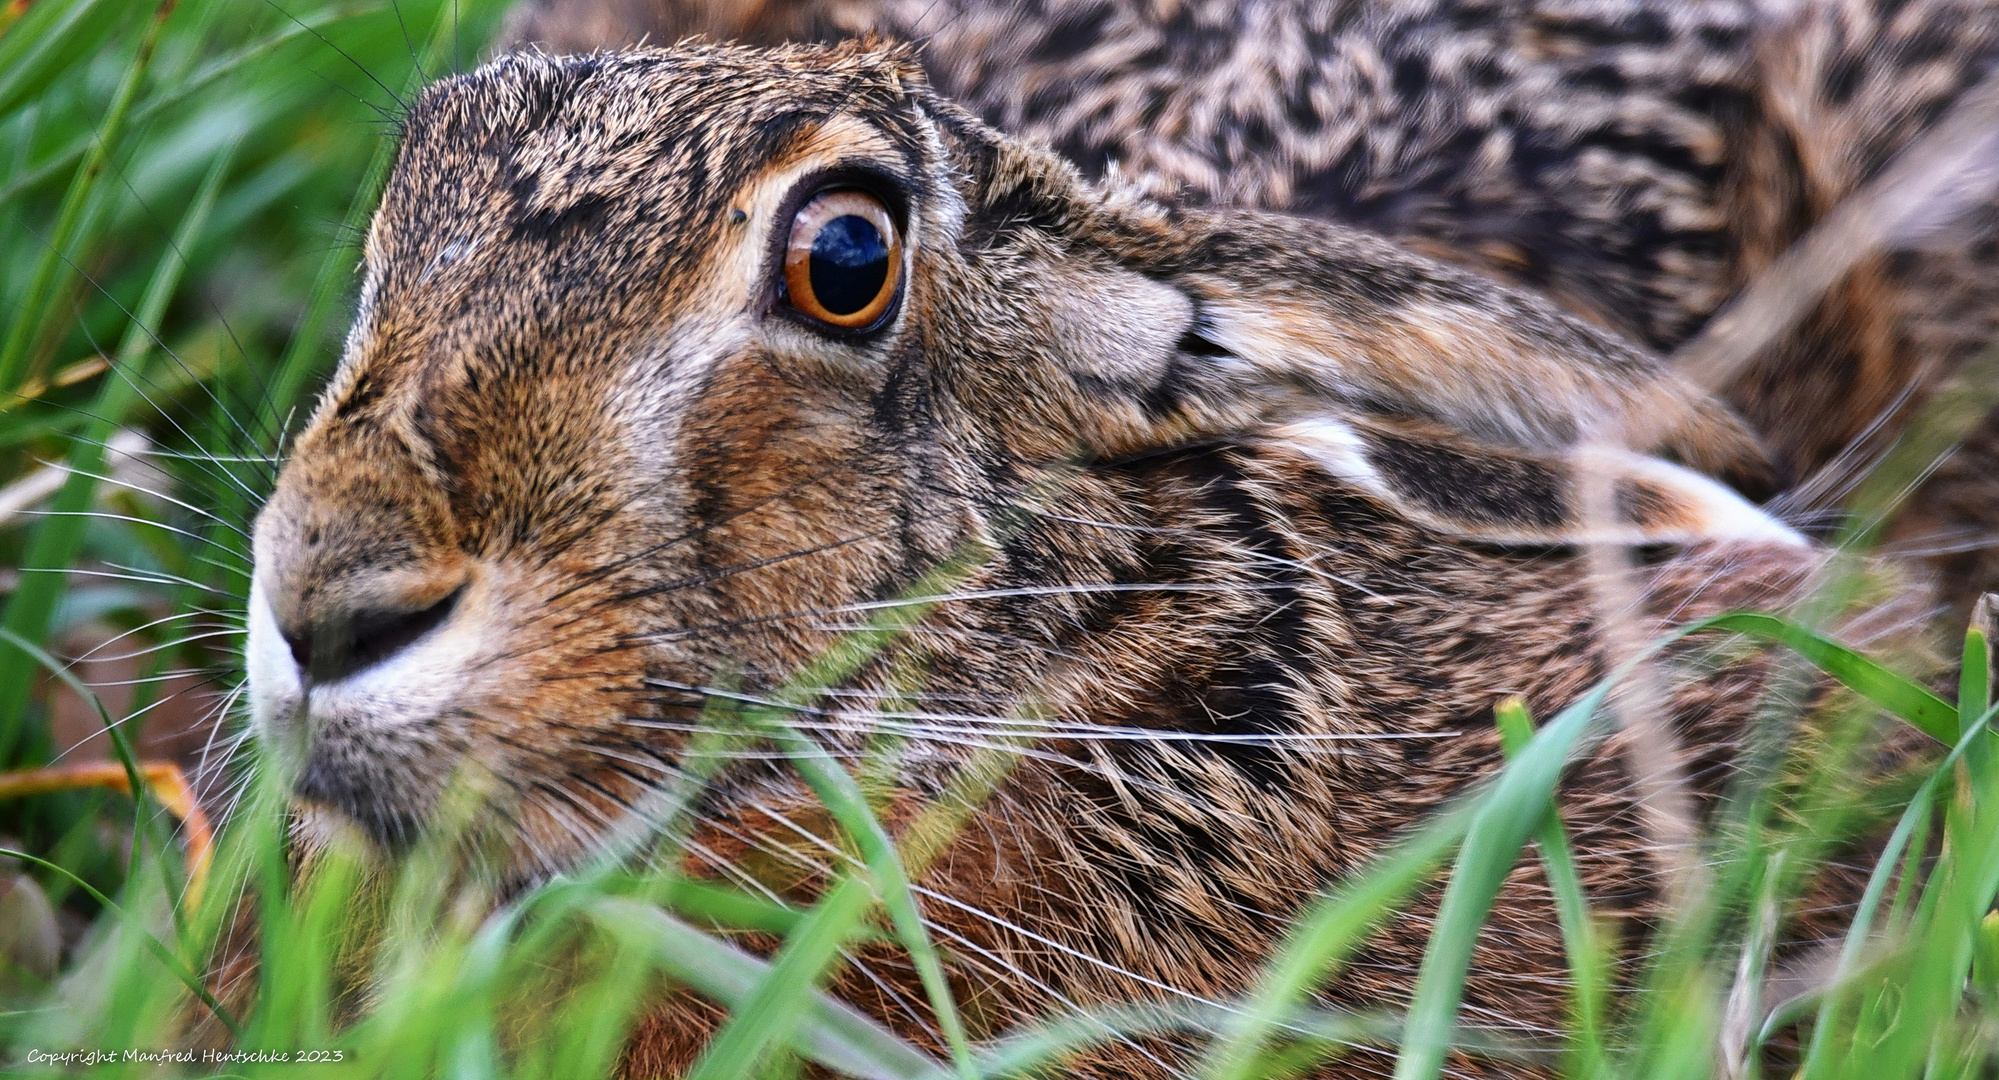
(666, 359)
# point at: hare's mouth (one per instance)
(376, 734)
(384, 782)
(464, 712)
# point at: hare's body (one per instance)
(1638, 161)
(1257, 519)
(1258, 683)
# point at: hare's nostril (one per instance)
(301, 648)
(356, 640)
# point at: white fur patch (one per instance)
(416, 684)
(1722, 514)
(1710, 510)
(276, 689)
(1338, 449)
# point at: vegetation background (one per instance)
(183, 187)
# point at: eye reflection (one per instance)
(843, 260)
(849, 264)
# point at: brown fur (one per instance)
(574, 405)
(1637, 162)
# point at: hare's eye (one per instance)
(843, 262)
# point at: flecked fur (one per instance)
(573, 403)
(1637, 161)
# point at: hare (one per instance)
(672, 365)
(1636, 161)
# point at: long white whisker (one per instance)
(163, 496)
(864, 607)
(866, 721)
(217, 722)
(194, 613)
(158, 677)
(189, 639)
(198, 538)
(804, 861)
(141, 578)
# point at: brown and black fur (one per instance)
(1638, 162)
(574, 411)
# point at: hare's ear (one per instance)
(1205, 323)
(1359, 323)
(1439, 479)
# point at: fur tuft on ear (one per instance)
(1441, 480)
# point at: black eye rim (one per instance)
(868, 181)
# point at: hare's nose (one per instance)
(342, 642)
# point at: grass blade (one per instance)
(1900, 695)
(29, 322)
(59, 537)
(1918, 811)
(1580, 939)
(739, 1045)
(1500, 825)
(829, 1032)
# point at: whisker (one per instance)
(159, 677)
(163, 496)
(1074, 953)
(91, 653)
(1002, 969)
(217, 721)
(108, 516)
(867, 721)
(111, 445)
(133, 375)
(132, 319)
(324, 40)
(222, 459)
(141, 578)
(165, 578)
(1005, 969)
(187, 640)
(866, 606)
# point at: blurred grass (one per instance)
(181, 192)
(552, 981)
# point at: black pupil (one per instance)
(849, 264)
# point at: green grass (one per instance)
(181, 190)
(550, 983)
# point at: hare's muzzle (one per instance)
(352, 676)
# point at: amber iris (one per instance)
(844, 260)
